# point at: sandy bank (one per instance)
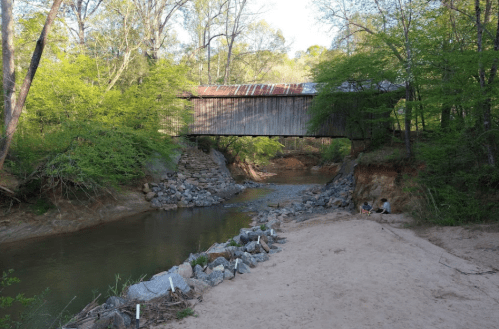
(343, 271)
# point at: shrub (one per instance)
(337, 150)
(456, 186)
(201, 260)
(185, 313)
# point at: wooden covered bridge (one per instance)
(263, 110)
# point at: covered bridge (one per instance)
(260, 110)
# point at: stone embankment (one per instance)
(201, 180)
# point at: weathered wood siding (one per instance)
(258, 116)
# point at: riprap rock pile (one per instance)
(199, 182)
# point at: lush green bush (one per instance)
(77, 132)
(255, 150)
(457, 185)
(337, 150)
(90, 154)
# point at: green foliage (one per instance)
(233, 243)
(201, 260)
(6, 322)
(365, 112)
(263, 227)
(457, 186)
(94, 154)
(77, 132)
(337, 150)
(185, 313)
(255, 150)
(120, 289)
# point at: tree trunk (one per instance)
(9, 72)
(407, 119)
(23, 93)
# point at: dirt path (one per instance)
(343, 271)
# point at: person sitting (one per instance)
(365, 208)
(386, 208)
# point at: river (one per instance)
(86, 263)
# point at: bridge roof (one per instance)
(284, 89)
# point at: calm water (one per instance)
(298, 177)
(295, 177)
(75, 264)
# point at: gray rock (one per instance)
(185, 270)
(114, 319)
(215, 278)
(199, 286)
(254, 235)
(252, 247)
(228, 275)
(248, 259)
(157, 287)
(242, 268)
(243, 238)
(261, 257)
(219, 261)
(114, 302)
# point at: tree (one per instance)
(206, 23)
(12, 109)
(392, 24)
(82, 10)
(155, 16)
(235, 24)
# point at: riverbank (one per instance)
(200, 180)
(339, 270)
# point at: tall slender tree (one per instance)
(12, 110)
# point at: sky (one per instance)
(296, 20)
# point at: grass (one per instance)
(263, 227)
(117, 290)
(185, 313)
(201, 260)
(233, 243)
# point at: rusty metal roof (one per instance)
(284, 89)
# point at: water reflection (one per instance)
(75, 264)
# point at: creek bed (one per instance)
(86, 263)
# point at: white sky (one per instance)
(296, 20)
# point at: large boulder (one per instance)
(114, 319)
(218, 251)
(252, 247)
(248, 259)
(199, 286)
(219, 261)
(185, 270)
(157, 287)
(215, 278)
